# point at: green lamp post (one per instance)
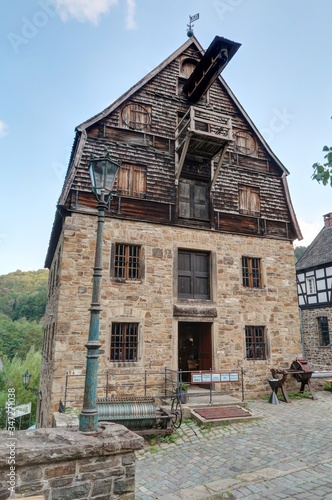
(103, 172)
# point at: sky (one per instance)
(63, 61)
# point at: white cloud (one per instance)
(84, 10)
(309, 231)
(130, 17)
(3, 129)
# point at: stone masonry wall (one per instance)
(318, 356)
(151, 303)
(66, 464)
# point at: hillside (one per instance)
(22, 307)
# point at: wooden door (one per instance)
(205, 346)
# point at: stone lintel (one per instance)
(195, 311)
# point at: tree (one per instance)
(323, 173)
(298, 252)
(11, 378)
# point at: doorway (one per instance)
(195, 347)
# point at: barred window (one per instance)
(255, 342)
(323, 331)
(124, 342)
(251, 272)
(127, 261)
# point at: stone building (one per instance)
(314, 283)
(198, 262)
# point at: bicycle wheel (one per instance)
(176, 411)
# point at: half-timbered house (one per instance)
(314, 282)
(198, 257)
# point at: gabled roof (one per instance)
(319, 252)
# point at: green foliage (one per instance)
(298, 252)
(328, 386)
(17, 337)
(11, 377)
(323, 173)
(23, 294)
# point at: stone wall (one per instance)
(318, 356)
(66, 464)
(153, 303)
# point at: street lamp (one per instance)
(103, 172)
(26, 381)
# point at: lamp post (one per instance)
(103, 172)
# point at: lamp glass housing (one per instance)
(26, 378)
(103, 172)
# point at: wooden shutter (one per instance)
(139, 182)
(124, 180)
(200, 201)
(184, 198)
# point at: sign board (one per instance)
(22, 410)
(213, 377)
(194, 18)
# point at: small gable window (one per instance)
(136, 116)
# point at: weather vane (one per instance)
(190, 31)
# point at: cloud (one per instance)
(309, 231)
(130, 17)
(3, 129)
(84, 10)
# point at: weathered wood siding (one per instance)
(153, 148)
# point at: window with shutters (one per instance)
(124, 342)
(132, 180)
(193, 275)
(249, 200)
(255, 342)
(323, 331)
(251, 272)
(194, 199)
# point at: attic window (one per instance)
(187, 67)
(136, 117)
(245, 143)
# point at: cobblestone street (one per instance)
(286, 453)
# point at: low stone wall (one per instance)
(67, 464)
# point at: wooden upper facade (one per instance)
(194, 161)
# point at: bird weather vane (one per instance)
(190, 31)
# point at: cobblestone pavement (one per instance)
(286, 453)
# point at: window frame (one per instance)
(134, 184)
(193, 186)
(323, 331)
(252, 275)
(253, 345)
(123, 330)
(194, 275)
(249, 198)
(130, 263)
(310, 283)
